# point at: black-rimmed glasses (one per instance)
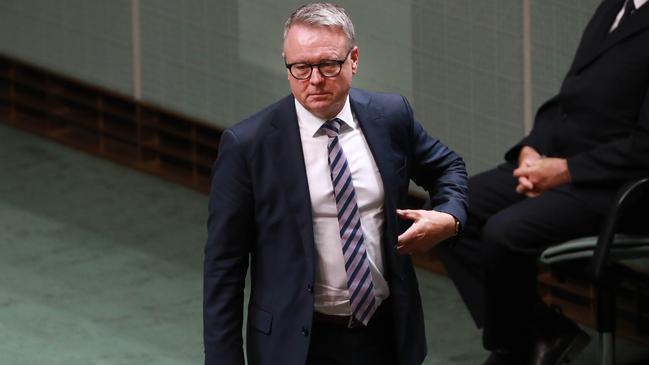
(327, 68)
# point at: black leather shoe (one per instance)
(507, 358)
(561, 348)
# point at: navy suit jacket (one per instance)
(599, 120)
(260, 214)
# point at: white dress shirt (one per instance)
(637, 3)
(330, 289)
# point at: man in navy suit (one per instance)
(557, 185)
(307, 192)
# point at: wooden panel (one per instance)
(107, 124)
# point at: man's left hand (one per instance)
(429, 228)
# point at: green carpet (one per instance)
(101, 264)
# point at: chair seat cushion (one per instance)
(624, 247)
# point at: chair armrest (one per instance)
(611, 225)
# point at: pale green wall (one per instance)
(222, 60)
(90, 40)
(558, 28)
(468, 84)
(460, 62)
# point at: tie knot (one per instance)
(629, 7)
(332, 127)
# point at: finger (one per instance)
(521, 189)
(404, 250)
(522, 171)
(529, 162)
(526, 182)
(524, 185)
(532, 194)
(408, 214)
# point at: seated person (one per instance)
(557, 184)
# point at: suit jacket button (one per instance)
(305, 331)
(309, 288)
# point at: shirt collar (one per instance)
(312, 124)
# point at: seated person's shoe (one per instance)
(507, 358)
(560, 342)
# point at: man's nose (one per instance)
(316, 76)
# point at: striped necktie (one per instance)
(359, 278)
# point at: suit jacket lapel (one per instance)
(291, 173)
(638, 21)
(596, 33)
(369, 119)
(598, 40)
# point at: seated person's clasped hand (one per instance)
(537, 174)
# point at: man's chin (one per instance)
(320, 109)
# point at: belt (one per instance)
(346, 321)
(342, 321)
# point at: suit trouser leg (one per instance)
(507, 232)
(489, 192)
(332, 344)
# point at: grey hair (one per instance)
(322, 15)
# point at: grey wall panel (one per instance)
(556, 30)
(468, 75)
(222, 60)
(459, 62)
(86, 39)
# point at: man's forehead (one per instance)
(314, 33)
(315, 39)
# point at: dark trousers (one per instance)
(334, 344)
(494, 262)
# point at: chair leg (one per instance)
(605, 320)
(607, 348)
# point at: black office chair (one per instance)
(605, 259)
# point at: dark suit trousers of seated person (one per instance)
(494, 263)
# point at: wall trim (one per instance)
(528, 116)
(136, 49)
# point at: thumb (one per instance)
(406, 236)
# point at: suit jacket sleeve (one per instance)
(621, 159)
(439, 170)
(539, 137)
(227, 254)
